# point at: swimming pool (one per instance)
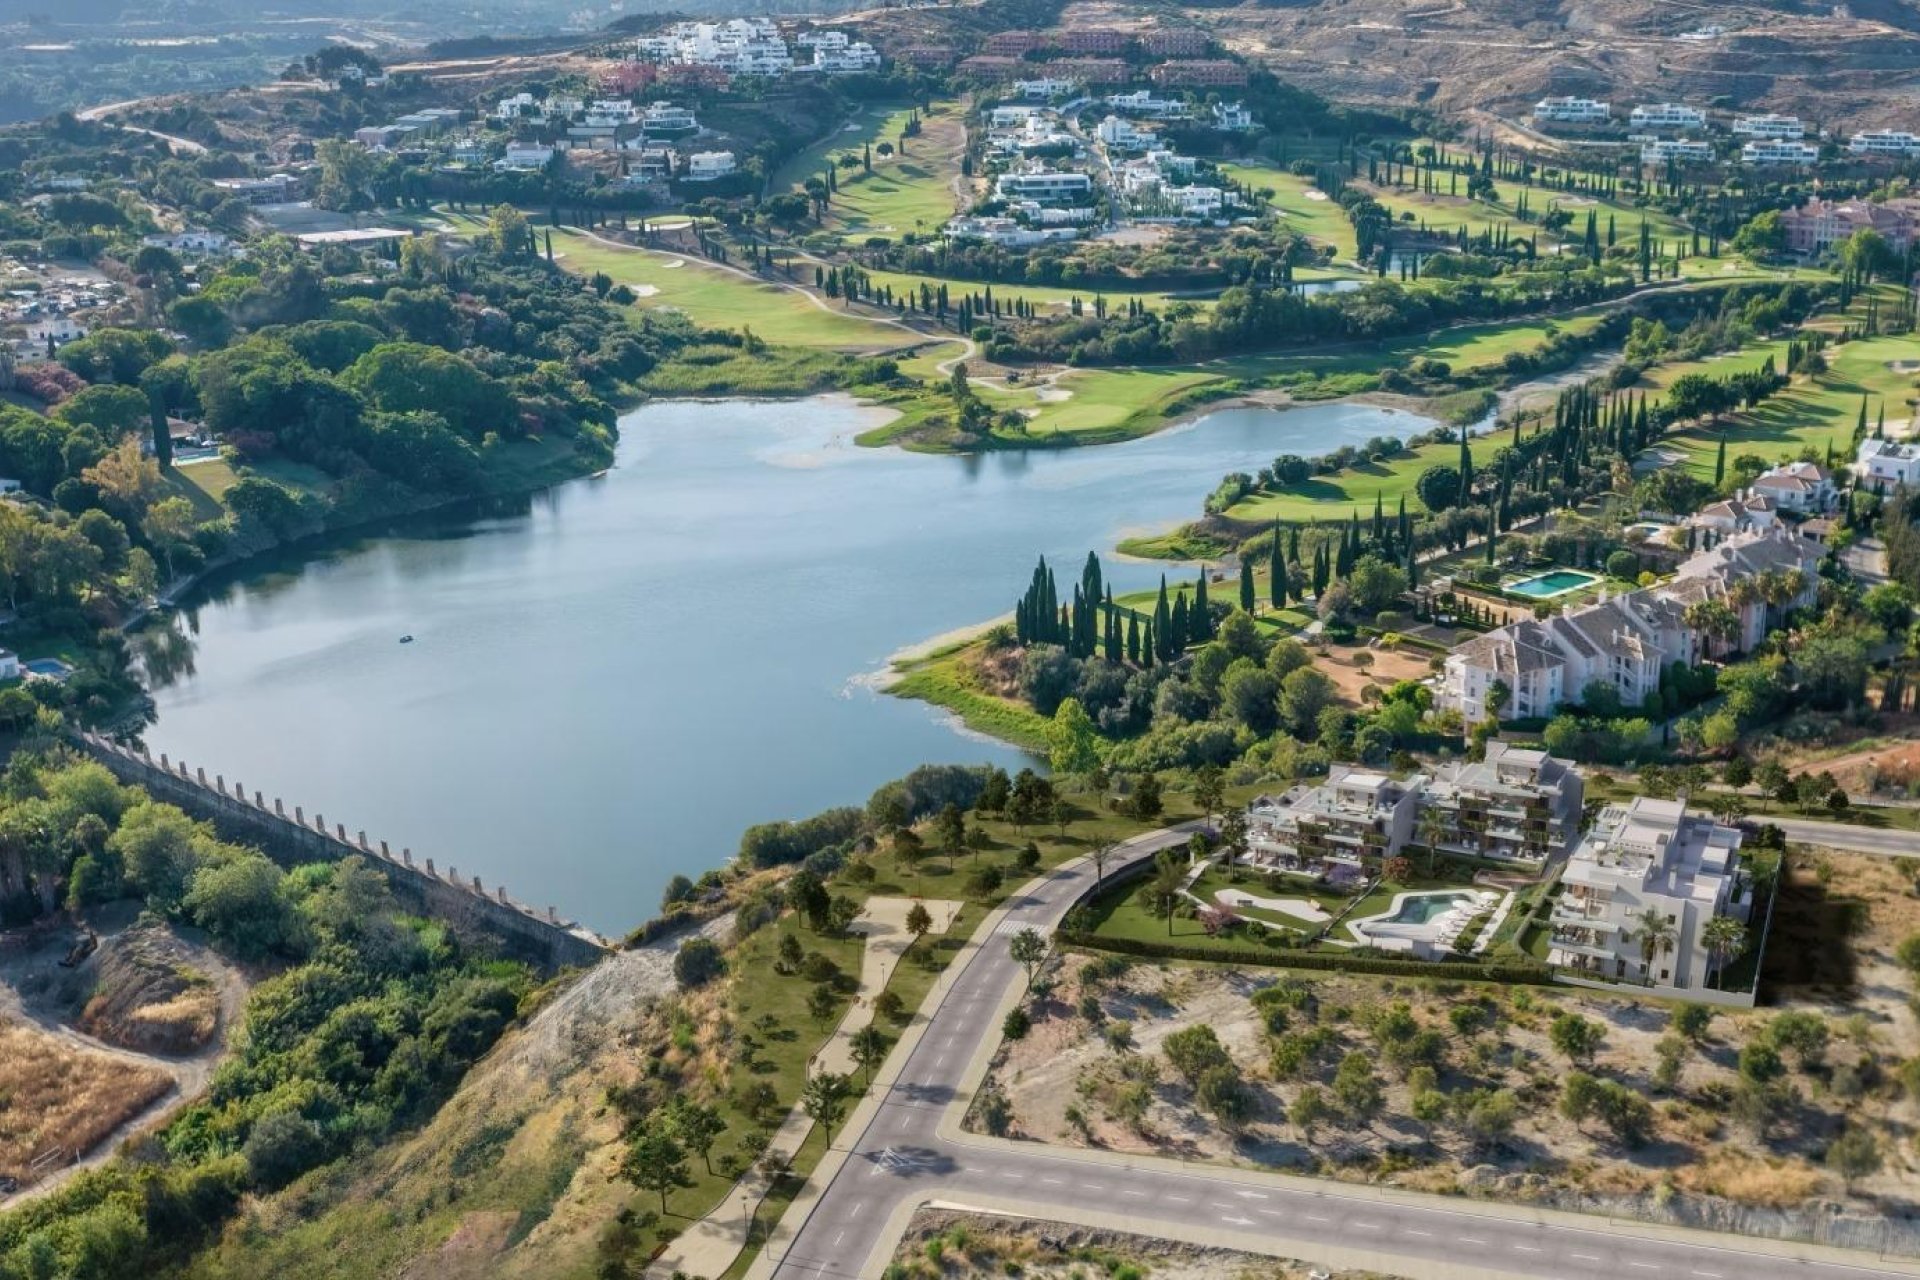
(1557, 582)
(1421, 908)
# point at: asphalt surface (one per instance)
(900, 1157)
(1838, 835)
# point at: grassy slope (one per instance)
(1811, 414)
(1320, 220)
(910, 192)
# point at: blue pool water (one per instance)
(1556, 583)
(1424, 908)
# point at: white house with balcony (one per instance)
(1638, 893)
(1770, 151)
(1805, 488)
(524, 157)
(1887, 464)
(1045, 88)
(1125, 135)
(1006, 231)
(1570, 110)
(1884, 142)
(665, 119)
(1045, 186)
(1334, 828)
(1789, 128)
(1232, 117)
(709, 166)
(1666, 115)
(1676, 150)
(1141, 102)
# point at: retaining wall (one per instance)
(484, 917)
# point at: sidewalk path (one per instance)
(709, 1246)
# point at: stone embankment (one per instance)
(481, 916)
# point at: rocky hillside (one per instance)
(1845, 66)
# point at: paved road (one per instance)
(899, 1157)
(1837, 835)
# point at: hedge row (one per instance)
(1282, 958)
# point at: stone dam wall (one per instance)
(484, 917)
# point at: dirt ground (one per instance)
(1068, 1084)
(58, 1097)
(973, 1246)
(1352, 672)
(108, 1046)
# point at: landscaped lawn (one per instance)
(1334, 497)
(1319, 219)
(1812, 414)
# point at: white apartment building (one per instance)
(1638, 893)
(1667, 115)
(1883, 464)
(524, 158)
(1516, 804)
(1045, 186)
(1683, 150)
(1779, 151)
(1624, 642)
(1045, 88)
(1141, 102)
(516, 106)
(665, 118)
(1884, 142)
(1013, 116)
(1006, 231)
(707, 166)
(1769, 126)
(1196, 201)
(1232, 117)
(743, 46)
(1335, 827)
(1125, 135)
(1572, 111)
(856, 56)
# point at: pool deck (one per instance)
(1518, 586)
(1425, 938)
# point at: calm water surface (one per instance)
(609, 682)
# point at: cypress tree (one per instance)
(1149, 647)
(1200, 620)
(1133, 637)
(1276, 572)
(1247, 601)
(1720, 462)
(1162, 618)
(1179, 633)
(1466, 463)
(1320, 570)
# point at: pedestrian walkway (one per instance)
(709, 1246)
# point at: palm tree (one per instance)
(1724, 938)
(1433, 825)
(1655, 934)
(1713, 620)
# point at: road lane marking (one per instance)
(1584, 1257)
(1710, 1275)
(1645, 1266)
(1412, 1232)
(1526, 1248)
(857, 1208)
(1016, 1177)
(1091, 1186)
(1314, 1217)
(1365, 1226)
(837, 1239)
(1180, 1199)
(1469, 1240)
(1251, 1195)
(1052, 1182)
(1137, 1195)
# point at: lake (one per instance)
(609, 681)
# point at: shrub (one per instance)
(698, 962)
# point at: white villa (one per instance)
(1806, 488)
(1661, 150)
(1886, 464)
(665, 118)
(1884, 142)
(1639, 892)
(1626, 641)
(1769, 126)
(1045, 87)
(1572, 111)
(1005, 231)
(707, 166)
(1779, 151)
(1232, 117)
(1125, 135)
(1141, 102)
(1047, 186)
(1667, 115)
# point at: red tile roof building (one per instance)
(1198, 72)
(1091, 70)
(1011, 44)
(988, 66)
(1818, 225)
(1175, 42)
(1090, 40)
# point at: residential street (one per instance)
(909, 1151)
(1836, 835)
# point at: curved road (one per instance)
(909, 1151)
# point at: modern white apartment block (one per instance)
(1141, 102)
(1196, 201)
(1046, 186)
(1232, 117)
(1884, 142)
(1572, 111)
(1045, 88)
(1517, 804)
(708, 166)
(1779, 151)
(743, 46)
(1126, 135)
(1683, 150)
(1337, 826)
(664, 118)
(1638, 892)
(1885, 464)
(1667, 115)
(1006, 231)
(524, 158)
(855, 56)
(1769, 126)
(1627, 641)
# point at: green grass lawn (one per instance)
(1811, 414)
(1333, 497)
(911, 191)
(1321, 220)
